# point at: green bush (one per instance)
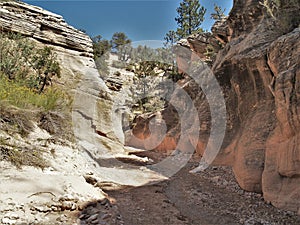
(23, 62)
(18, 95)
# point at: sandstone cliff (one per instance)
(29, 194)
(92, 103)
(257, 68)
(44, 26)
(258, 71)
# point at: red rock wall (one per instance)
(281, 176)
(259, 72)
(260, 69)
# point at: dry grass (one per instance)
(57, 124)
(18, 95)
(14, 120)
(20, 121)
(21, 156)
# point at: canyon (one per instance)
(258, 71)
(256, 65)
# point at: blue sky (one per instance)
(140, 20)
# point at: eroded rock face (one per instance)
(203, 45)
(43, 26)
(92, 106)
(221, 31)
(203, 42)
(258, 71)
(281, 176)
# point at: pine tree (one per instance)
(121, 44)
(118, 39)
(100, 46)
(218, 14)
(190, 17)
(171, 38)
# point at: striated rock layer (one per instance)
(92, 105)
(43, 26)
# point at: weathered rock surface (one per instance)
(258, 71)
(281, 176)
(43, 196)
(43, 26)
(221, 31)
(204, 43)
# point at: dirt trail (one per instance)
(210, 197)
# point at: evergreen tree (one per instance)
(121, 44)
(171, 38)
(218, 14)
(190, 17)
(101, 49)
(118, 39)
(100, 46)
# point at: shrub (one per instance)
(25, 72)
(22, 62)
(102, 66)
(21, 156)
(18, 95)
(56, 123)
(14, 120)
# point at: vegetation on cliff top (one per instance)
(144, 61)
